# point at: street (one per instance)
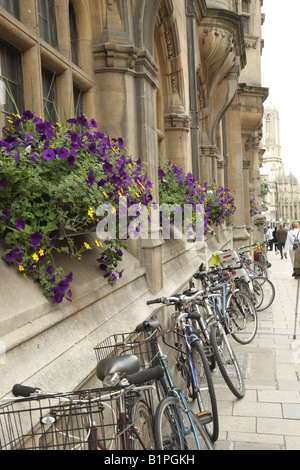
(268, 417)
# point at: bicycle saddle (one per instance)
(121, 365)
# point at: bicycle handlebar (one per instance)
(24, 391)
(144, 376)
(139, 378)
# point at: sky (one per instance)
(281, 74)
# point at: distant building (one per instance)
(283, 200)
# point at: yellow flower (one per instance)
(41, 253)
(35, 257)
(87, 246)
(91, 213)
(105, 194)
(24, 275)
(21, 268)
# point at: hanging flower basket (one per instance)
(52, 180)
(177, 188)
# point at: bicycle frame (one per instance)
(172, 390)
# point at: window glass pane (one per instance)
(77, 93)
(10, 80)
(47, 23)
(12, 6)
(73, 35)
(49, 94)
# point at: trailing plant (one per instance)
(54, 176)
(177, 188)
(254, 209)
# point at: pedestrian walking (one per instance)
(281, 236)
(270, 238)
(275, 242)
(292, 237)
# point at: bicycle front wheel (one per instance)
(242, 317)
(227, 361)
(175, 430)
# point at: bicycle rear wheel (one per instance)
(227, 361)
(258, 268)
(173, 428)
(268, 292)
(203, 388)
(242, 317)
(141, 433)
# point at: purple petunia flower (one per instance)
(27, 115)
(62, 153)
(108, 168)
(34, 158)
(71, 161)
(5, 214)
(69, 295)
(57, 296)
(11, 256)
(36, 239)
(49, 270)
(20, 223)
(69, 277)
(48, 155)
(90, 179)
(3, 182)
(44, 128)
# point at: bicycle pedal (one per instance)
(205, 417)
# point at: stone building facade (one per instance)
(178, 80)
(283, 199)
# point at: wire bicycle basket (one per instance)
(143, 345)
(86, 420)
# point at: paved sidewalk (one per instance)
(268, 417)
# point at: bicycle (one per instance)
(176, 427)
(259, 288)
(191, 362)
(110, 418)
(257, 285)
(210, 326)
(234, 307)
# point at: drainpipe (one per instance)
(194, 113)
(225, 151)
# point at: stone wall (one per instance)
(51, 347)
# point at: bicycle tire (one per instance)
(258, 268)
(202, 327)
(141, 434)
(227, 361)
(204, 392)
(242, 317)
(268, 292)
(171, 430)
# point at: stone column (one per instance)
(235, 170)
(151, 249)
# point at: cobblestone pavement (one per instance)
(268, 417)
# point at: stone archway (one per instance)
(173, 122)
